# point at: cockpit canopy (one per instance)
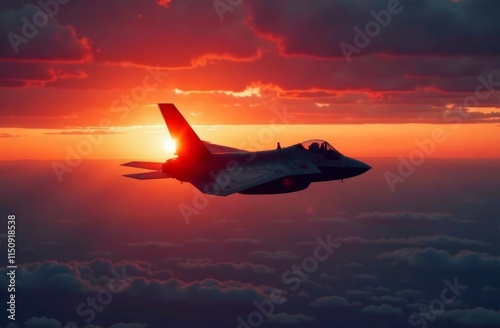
(320, 147)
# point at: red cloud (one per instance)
(31, 39)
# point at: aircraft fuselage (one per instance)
(221, 170)
(327, 169)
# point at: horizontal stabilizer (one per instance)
(148, 175)
(145, 165)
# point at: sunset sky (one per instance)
(232, 65)
(381, 80)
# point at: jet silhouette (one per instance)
(221, 170)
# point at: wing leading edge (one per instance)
(148, 175)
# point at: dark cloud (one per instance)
(37, 74)
(197, 264)
(479, 316)
(283, 318)
(208, 289)
(44, 322)
(96, 213)
(410, 216)
(416, 241)
(379, 289)
(353, 266)
(159, 244)
(316, 29)
(202, 241)
(389, 299)
(384, 309)
(410, 72)
(328, 276)
(277, 255)
(433, 258)
(410, 293)
(80, 277)
(321, 219)
(242, 241)
(48, 40)
(365, 276)
(180, 35)
(358, 294)
(330, 301)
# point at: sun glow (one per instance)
(170, 145)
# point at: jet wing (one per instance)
(230, 182)
(226, 182)
(214, 148)
(148, 175)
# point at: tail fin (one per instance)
(189, 145)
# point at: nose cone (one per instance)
(355, 167)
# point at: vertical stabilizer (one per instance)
(189, 145)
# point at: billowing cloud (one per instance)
(80, 277)
(44, 322)
(365, 276)
(384, 309)
(318, 29)
(478, 316)
(277, 255)
(323, 219)
(415, 241)
(410, 216)
(36, 74)
(379, 289)
(410, 293)
(159, 244)
(358, 294)
(433, 258)
(330, 301)
(33, 36)
(352, 266)
(135, 278)
(283, 318)
(178, 35)
(389, 299)
(261, 49)
(242, 241)
(209, 264)
(208, 289)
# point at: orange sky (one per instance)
(368, 140)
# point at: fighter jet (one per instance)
(220, 170)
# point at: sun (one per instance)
(170, 145)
